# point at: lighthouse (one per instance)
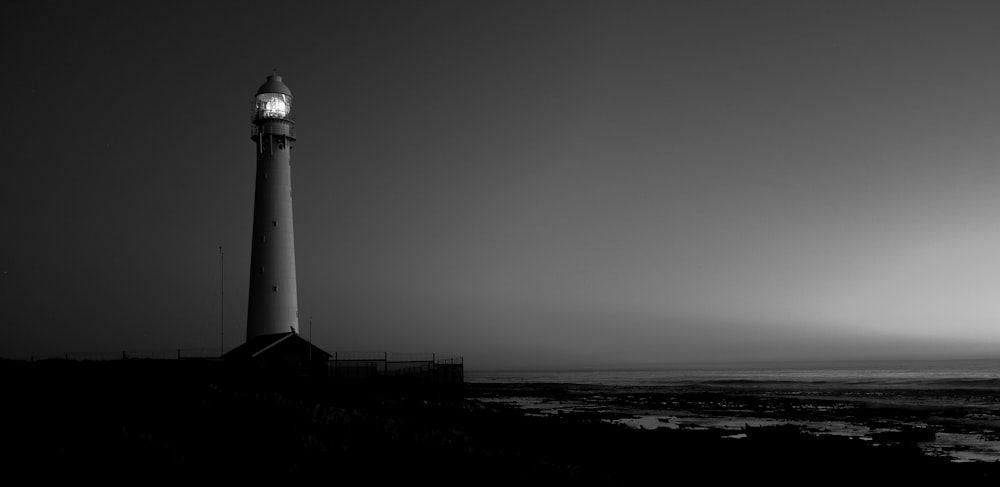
(273, 304)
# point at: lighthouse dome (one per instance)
(274, 85)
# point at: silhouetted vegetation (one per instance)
(149, 420)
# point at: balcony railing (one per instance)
(275, 126)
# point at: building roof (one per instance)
(259, 347)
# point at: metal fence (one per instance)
(387, 362)
(426, 366)
(179, 353)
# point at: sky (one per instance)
(525, 184)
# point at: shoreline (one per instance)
(959, 424)
(129, 418)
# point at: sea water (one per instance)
(945, 374)
(975, 383)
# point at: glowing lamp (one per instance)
(273, 100)
(273, 105)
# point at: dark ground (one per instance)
(151, 421)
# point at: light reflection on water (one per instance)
(964, 447)
(959, 447)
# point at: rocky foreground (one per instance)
(150, 421)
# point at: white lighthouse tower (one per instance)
(273, 306)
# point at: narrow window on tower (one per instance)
(274, 223)
(265, 175)
(274, 288)
(262, 269)
(263, 239)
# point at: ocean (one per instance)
(944, 374)
(954, 403)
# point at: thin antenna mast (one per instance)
(222, 299)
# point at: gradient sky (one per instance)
(526, 184)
